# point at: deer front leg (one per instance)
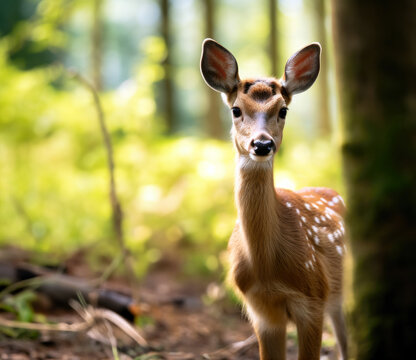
(272, 343)
(310, 335)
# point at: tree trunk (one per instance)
(97, 44)
(376, 62)
(213, 124)
(324, 124)
(275, 68)
(167, 65)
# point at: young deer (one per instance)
(287, 247)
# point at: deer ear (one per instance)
(302, 69)
(219, 67)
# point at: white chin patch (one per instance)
(260, 158)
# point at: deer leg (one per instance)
(338, 322)
(310, 336)
(272, 343)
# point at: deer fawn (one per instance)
(286, 250)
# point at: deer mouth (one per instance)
(261, 158)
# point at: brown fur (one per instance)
(287, 247)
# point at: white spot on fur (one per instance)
(339, 249)
(297, 211)
(315, 206)
(320, 202)
(316, 238)
(314, 228)
(323, 218)
(313, 258)
(317, 219)
(307, 206)
(309, 232)
(324, 200)
(288, 204)
(331, 238)
(335, 199)
(303, 219)
(330, 203)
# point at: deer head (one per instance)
(258, 106)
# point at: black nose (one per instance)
(263, 147)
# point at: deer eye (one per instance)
(236, 111)
(283, 112)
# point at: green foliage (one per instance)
(176, 192)
(20, 305)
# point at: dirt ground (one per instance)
(181, 319)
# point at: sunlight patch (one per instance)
(150, 194)
(140, 234)
(284, 180)
(146, 106)
(211, 170)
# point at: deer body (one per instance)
(286, 248)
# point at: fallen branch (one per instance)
(61, 288)
(92, 319)
(77, 327)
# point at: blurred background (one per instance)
(170, 169)
(174, 163)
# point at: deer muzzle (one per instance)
(263, 147)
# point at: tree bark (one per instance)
(376, 63)
(167, 65)
(213, 123)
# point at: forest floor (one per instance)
(182, 319)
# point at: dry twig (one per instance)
(232, 349)
(92, 319)
(88, 313)
(117, 212)
(76, 327)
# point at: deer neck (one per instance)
(257, 205)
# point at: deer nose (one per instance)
(263, 147)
